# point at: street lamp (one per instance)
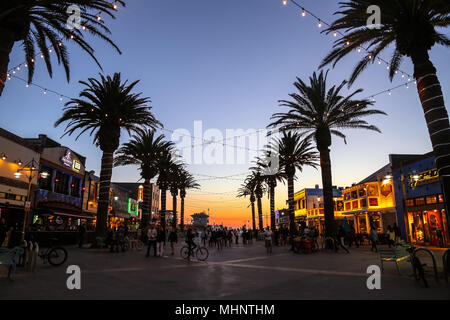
(30, 167)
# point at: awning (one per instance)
(70, 215)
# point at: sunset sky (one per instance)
(226, 64)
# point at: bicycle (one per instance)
(200, 252)
(55, 256)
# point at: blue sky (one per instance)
(226, 63)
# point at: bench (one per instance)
(9, 258)
(396, 255)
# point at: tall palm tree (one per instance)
(248, 189)
(318, 113)
(294, 154)
(256, 180)
(174, 186)
(186, 181)
(105, 107)
(43, 26)
(410, 27)
(166, 164)
(271, 174)
(143, 150)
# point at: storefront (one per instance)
(419, 200)
(371, 201)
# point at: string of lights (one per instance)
(321, 22)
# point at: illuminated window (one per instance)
(373, 202)
(431, 199)
(2, 195)
(441, 198)
(355, 204)
(420, 201)
(409, 202)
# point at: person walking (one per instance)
(373, 237)
(352, 237)
(173, 239)
(398, 233)
(268, 240)
(151, 236)
(390, 236)
(160, 240)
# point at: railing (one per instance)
(432, 257)
(446, 264)
(43, 195)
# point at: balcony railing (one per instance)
(44, 195)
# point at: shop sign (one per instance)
(424, 177)
(133, 207)
(58, 220)
(69, 162)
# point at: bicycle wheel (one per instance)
(57, 256)
(139, 245)
(184, 252)
(202, 254)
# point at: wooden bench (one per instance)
(396, 255)
(9, 258)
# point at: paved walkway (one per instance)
(241, 272)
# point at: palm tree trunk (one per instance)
(327, 184)
(272, 207)
(146, 204)
(253, 216)
(174, 210)
(182, 213)
(6, 45)
(436, 116)
(260, 214)
(104, 193)
(292, 228)
(163, 207)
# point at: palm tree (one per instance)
(166, 163)
(43, 25)
(143, 150)
(319, 113)
(186, 181)
(271, 174)
(105, 107)
(174, 185)
(248, 189)
(294, 153)
(256, 180)
(411, 28)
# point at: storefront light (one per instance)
(17, 175)
(44, 175)
(4, 157)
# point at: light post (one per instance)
(31, 168)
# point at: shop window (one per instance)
(431, 199)
(409, 202)
(362, 192)
(61, 183)
(363, 203)
(2, 195)
(420, 201)
(75, 187)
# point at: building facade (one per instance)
(309, 207)
(19, 173)
(371, 199)
(59, 197)
(419, 200)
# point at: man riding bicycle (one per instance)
(190, 241)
